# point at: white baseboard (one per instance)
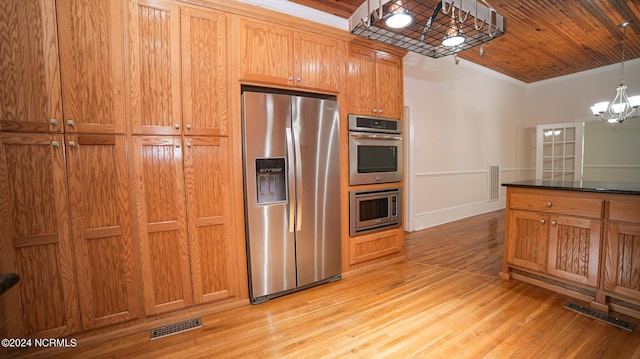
(446, 215)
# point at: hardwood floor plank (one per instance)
(444, 301)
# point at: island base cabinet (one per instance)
(622, 268)
(579, 243)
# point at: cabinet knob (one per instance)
(55, 144)
(177, 126)
(553, 223)
(53, 122)
(375, 110)
(188, 144)
(188, 126)
(72, 144)
(70, 123)
(290, 78)
(299, 79)
(542, 221)
(548, 204)
(379, 110)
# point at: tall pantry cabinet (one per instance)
(66, 226)
(179, 101)
(115, 185)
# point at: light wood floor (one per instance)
(444, 301)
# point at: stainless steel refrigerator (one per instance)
(292, 192)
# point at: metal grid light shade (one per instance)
(420, 38)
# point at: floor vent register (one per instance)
(623, 324)
(176, 328)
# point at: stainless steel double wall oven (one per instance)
(375, 156)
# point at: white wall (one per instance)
(462, 118)
(611, 151)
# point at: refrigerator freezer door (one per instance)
(271, 245)
(315, 126)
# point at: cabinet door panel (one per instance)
(30, 74)
(527, 240)
(34, 240)
(204, 75)
(622, 266)
(266, 53)
(154, 88)
(101, 223)
(574, 248)
(361, 80)
(209, 218)
(389, 85)
(92, 53)
(161, 219)
(317, 62)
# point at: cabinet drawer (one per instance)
(373, 246)
(572, 206)
(624, 211)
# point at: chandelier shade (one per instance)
(622, 107)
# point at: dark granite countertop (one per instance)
(581, 186)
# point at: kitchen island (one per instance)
(580, 238)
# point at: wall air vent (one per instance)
(494, 182)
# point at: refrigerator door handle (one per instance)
(299, 191)
(290, 175)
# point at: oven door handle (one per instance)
(376, 137)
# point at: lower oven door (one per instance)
(374, 158)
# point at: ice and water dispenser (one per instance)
(271, 180)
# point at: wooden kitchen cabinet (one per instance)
(280, 56)
(161, 222)
(213, 256)
(375, 245)
(102, 229)
(374, 83)
(91, 35)
(35, 238)
(622, 248)
(205, 92)
(179, 74)
(555, 234)
(30, 72)
(154, 57)
(528, 240)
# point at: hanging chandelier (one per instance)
(622, 107)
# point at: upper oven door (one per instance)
(374, 158)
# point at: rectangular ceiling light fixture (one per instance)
(465, 23)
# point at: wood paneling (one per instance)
(213, 257)
(161, 218)
(101, 225)
(30, 87)
(205, 92)
(154, 50)
(35, 237)
(91, 37)
(543, 39)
